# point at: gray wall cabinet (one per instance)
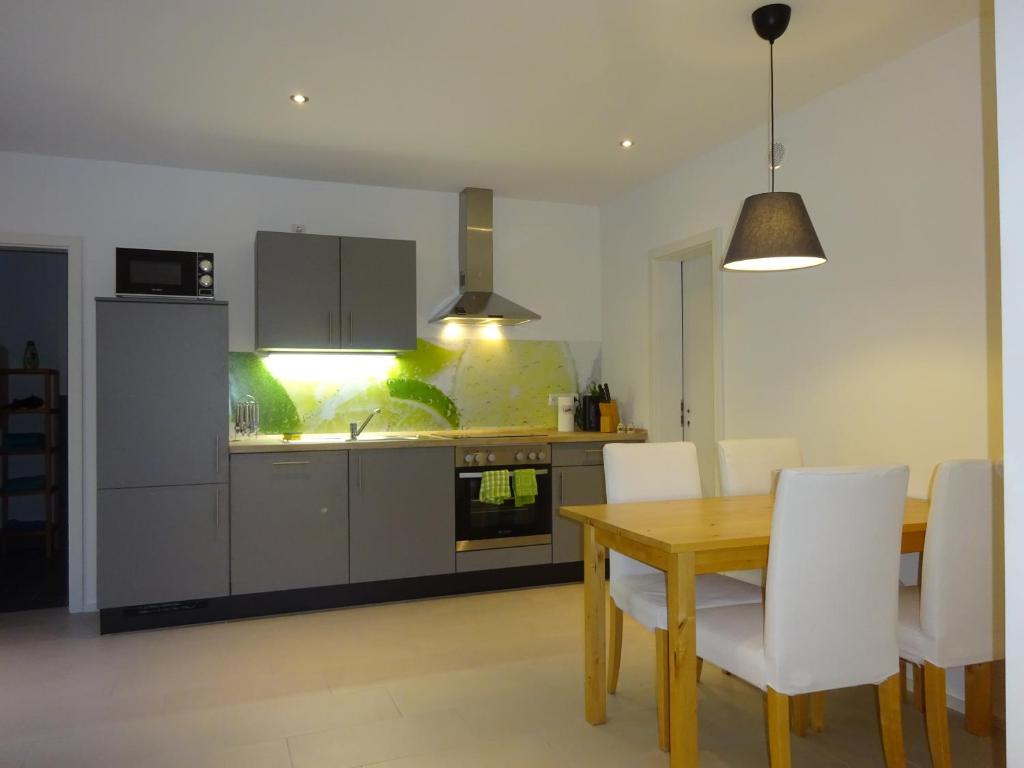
(289, 520)
(325, 292)
(572, 485)
(297, 278)
(157, 545)
(401, 513)
(378, 293)
(161, 392)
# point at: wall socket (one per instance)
(299, 228)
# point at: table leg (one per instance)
(682, 642)
(594, 602)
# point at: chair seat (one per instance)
(915, 645)
(643, 595)
(732, 638)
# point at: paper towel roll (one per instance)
(566, 414)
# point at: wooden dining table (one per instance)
(682, 538)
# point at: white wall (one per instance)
(1009, 25)
(546, 254)
(879, 356)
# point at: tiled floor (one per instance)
(466, 682)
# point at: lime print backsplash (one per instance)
(464, 384)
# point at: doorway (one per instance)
(686, 348)
(33, 428)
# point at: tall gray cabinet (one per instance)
(320, 292)
(162, 450)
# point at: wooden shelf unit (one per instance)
(50, 412)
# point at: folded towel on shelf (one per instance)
(494, 486)
(24, 441)
(525, 486)
(28, 483)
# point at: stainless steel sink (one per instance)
(366, 437)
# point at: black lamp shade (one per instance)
(774, 233)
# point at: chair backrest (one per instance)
(962, 572)
(833, 575)
(648, 472)
(745, 466)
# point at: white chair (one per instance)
(838, 629)
(955, 617)
(655, 472)
(745, 468)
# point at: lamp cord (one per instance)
(771, 99)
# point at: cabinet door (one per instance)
(297, 291)
(378, 293)
(572, 485)
(161, 393)
(289, 520)
(402, 513)
(158, 545)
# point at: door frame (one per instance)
(664, 264)
(73, 247)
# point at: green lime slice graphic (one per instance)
(507, 383)
(248, 375)
(427, 360)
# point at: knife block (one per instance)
(609, 416)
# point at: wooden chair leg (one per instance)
(662, 688)
(777, 715)
(614, 644)
(891, 722)
(903, 678)
(818, 711)
(700, 667)
(918, 678)
(936, 719)
(978, 680)
(798, 714)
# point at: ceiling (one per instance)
(529, 97)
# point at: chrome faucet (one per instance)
(355, 430)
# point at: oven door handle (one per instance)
(472, 475)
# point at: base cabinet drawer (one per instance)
(577, 454)
(512, 557)
(160, 545)
(289, 521)
(572, 485)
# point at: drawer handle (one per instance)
(593, 450)
(288, 463)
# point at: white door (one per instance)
(697, 404)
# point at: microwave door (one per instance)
(162, 273)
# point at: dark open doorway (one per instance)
(33, 429)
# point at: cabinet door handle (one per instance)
(561, 487)
(351, 328)
(216, 511)
(216, 455)
(287, 463)
(593, 450)
(359, 472)
(330, 329)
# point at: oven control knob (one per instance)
(491, 457)
(480, 458)
(533, 456)
(469, 458)
(542, 455)
(520, 456)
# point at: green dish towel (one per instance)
(494, 487)
(525, 485)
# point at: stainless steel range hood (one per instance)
(477, 303)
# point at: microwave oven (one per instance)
(147, 272)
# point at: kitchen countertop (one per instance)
(433, 439)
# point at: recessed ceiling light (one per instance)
(299, 98)
(626, 143)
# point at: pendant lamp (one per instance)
(774, 231)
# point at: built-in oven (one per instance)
(483, 525)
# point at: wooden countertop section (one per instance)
(434, 439)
